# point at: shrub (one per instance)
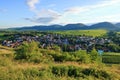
(60, 70)
(74, 71)
(31, 52)
(82, 56)
(26, 50)
(101, 74)
(95, 56)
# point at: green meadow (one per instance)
(112, 58)
(83, 32)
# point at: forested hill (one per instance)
(79, 26)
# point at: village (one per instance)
(65, 42)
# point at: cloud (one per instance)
(76, 10)
(106, 3)
(42, 16)
(48, 16)
(48, 13)
(42, 20)
(45, 16)
(32, 3)
(101, 4)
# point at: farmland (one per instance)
(112, 58)
(118, 32)
(83, 32)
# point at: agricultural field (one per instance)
(93, 33)
(118, 32)
(112, 58)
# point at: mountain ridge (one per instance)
(77, 26)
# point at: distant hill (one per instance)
(75, 26)
(79, 26)
(118, 25)
(104, 25)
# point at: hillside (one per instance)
(79, 26)
(45, 68)
(118, 25)
(104, 25)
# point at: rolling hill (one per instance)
(118, 25)
(79, 26)
(104, 25)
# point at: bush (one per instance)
(82, 56)
(73, 71)
(101, 74)
(31, 52)
(26, 50)
(95, 56)
(60, 70)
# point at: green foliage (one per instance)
(31, 52)
(94, 56)
(82, 56)
(79, 56)
(114, 47)
(60, 70)
(56, 48)
(73, 71)
(26, 50)
(96, 73)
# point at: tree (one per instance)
(26, 50)
(94, 55)
(82, 56)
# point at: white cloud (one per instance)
(106, 3)
(101, 4)
(42, 20)
(76, 10)
(32, 3)
(47, 13)
(42, 16)
(45, 16)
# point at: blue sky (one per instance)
(18, 13)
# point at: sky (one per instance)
(19, 13)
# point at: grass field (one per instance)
(113, 58)
(118, 32)
(84, 32)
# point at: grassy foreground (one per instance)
(12, 69)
